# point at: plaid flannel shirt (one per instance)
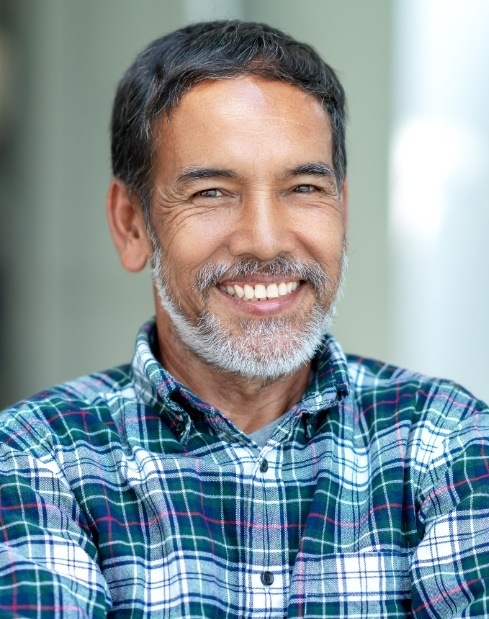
(124, 495)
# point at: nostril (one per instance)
(262, 245)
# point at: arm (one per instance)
(48, 562)
(450, 566)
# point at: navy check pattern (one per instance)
(124, 495)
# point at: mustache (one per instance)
(284, 266)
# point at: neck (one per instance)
(249, 404)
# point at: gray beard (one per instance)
(261, 348)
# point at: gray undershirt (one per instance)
(262, 435)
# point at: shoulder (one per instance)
(60, 412)
(381, 388)
(433, 428)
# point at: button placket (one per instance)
(270, 580)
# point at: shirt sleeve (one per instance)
(450, 567)
(48, 561)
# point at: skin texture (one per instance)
(272, 192)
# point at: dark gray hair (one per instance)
(171, 65)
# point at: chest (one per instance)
(322, 529)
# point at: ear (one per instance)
(127, 226)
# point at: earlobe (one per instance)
(127, 227)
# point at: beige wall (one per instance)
(70, 307)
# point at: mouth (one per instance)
(259, 291)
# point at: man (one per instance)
(241, 466)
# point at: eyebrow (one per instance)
(312, 169)
(195, 173)
(318, 168)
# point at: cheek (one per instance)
(197, 241)
(324, 238)
(179, 228)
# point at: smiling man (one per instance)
(246, 233)
(242, 465)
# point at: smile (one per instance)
(260, 292)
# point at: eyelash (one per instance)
(310, 188)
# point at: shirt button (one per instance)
(266, 578)
(179, 427)
(264, 469)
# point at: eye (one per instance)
(306, 189)
(209, 193)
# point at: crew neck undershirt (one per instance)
(262, 435)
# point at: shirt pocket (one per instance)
(353, 584)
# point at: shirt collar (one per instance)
(329, 382)
(153, 384)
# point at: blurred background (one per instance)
(417, 78)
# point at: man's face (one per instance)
(248, 225)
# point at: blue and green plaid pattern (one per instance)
(124, 495)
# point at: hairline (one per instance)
(170, 66)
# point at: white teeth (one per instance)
(282, 289)
(249, 292)
(272, 291)
(260, 292)
(239, 291)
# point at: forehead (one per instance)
(244, 117)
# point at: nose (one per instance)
(263, 229)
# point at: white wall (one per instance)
(440, 190)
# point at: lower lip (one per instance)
(266, 307)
